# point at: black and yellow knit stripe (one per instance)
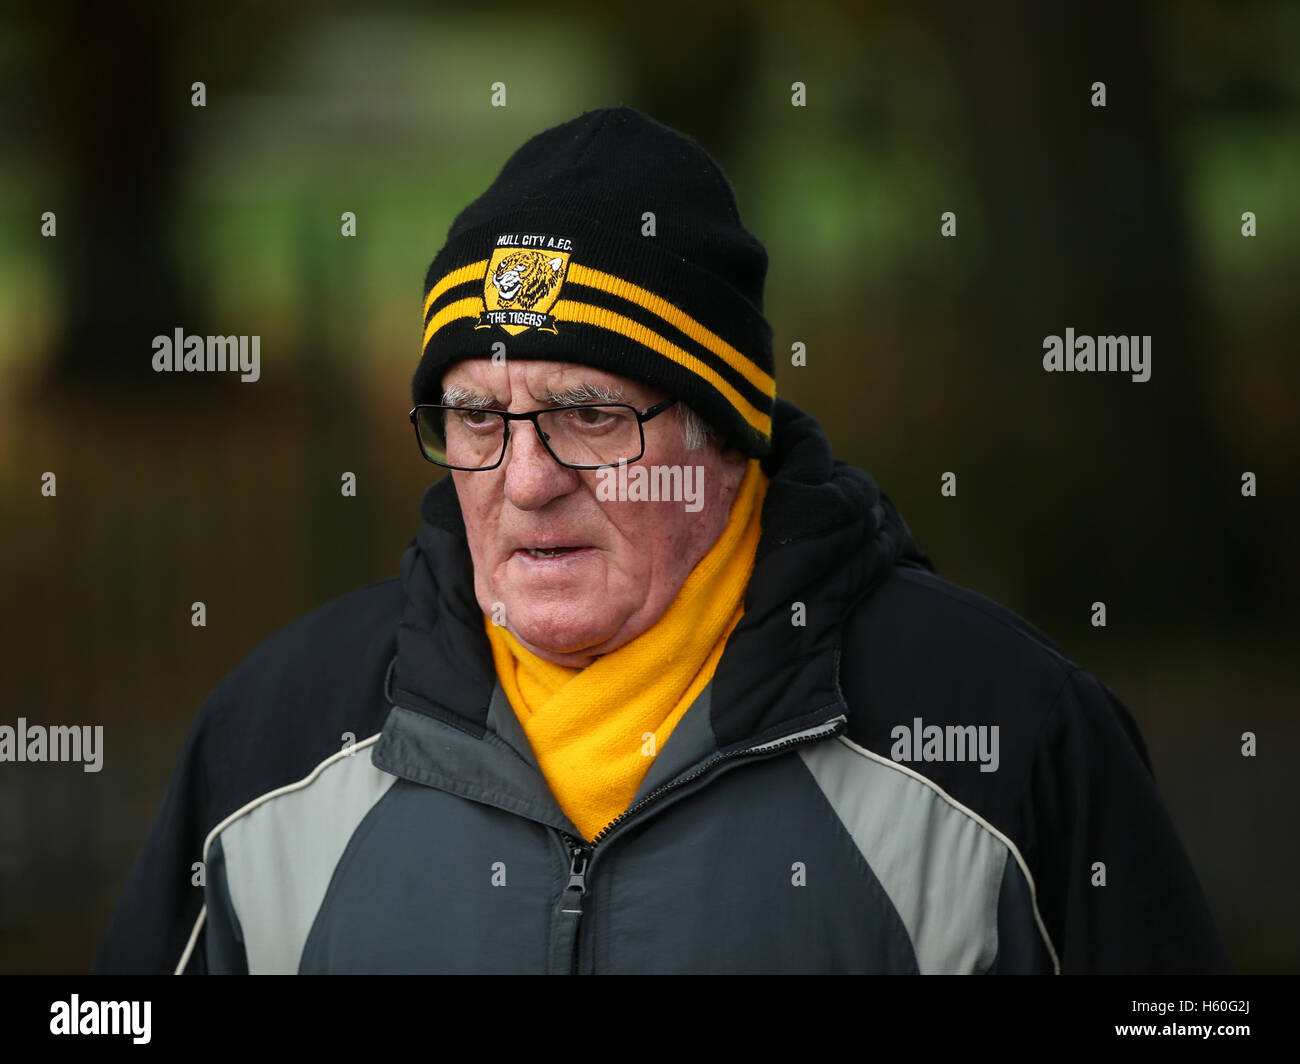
(654, 314)
(606, 301)
(464, 275)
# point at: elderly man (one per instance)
(662, 686)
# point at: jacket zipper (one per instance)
(579, 857)
(581, 852)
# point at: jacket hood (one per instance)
(829, 536)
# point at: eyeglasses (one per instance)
(593, 436)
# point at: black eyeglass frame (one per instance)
(642, 416)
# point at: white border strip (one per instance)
(1015, 852)
(244, 810)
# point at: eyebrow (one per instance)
(458, 396)
(582, 393)
(585, 393)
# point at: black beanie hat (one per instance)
(551, 262)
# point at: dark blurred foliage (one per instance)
(924, 353)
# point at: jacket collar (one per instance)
(829, 536)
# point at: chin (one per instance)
(556, 635)
(559, 635)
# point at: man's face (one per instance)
(631, 556)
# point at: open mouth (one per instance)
(550, 552)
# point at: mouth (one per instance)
(546, 554)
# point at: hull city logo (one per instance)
(524, 277)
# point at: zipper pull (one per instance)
(579, 856)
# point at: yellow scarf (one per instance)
(588, 727)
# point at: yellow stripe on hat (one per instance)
(586, 314)
(462, 308)
(608, 282)
(474, 271)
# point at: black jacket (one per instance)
(911, 779)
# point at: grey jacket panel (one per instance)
(941, 865)
(280, 853)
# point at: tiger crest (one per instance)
(523, 283)
(526, 277)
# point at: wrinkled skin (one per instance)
(636, 555)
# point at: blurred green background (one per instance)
(924, 353)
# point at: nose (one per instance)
(533, 477)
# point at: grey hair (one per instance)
(458, 396)
(696, 432)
